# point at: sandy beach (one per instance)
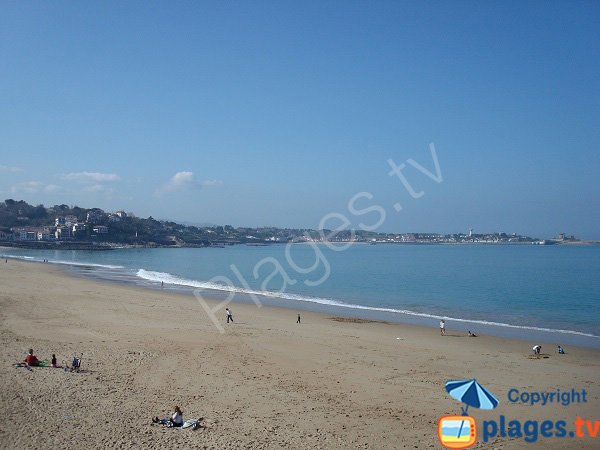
(266, 383)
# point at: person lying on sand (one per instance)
(472, 334)
(176, 420)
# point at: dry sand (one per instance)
(266, 383)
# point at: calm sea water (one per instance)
(489, 289)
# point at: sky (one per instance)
(293, 114)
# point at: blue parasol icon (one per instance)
(471, 393)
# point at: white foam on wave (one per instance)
(29, 258)
(85, 264)
(168, 278)
(60, 261)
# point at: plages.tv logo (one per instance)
(461, 431)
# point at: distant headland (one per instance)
(75, 228)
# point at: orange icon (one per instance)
(457, 431)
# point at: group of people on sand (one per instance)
(443, 329)
(537, 350)
(229, 316)
(32, 361)
(174, 420)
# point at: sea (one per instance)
(544, 294)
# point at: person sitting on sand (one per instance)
(31, 359)
(54, 362)
(537, 349)
(561, 350)
(176, 420)
(472, 334)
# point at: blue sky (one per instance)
(278, 113)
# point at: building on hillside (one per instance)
(59, 221)
(19, 234)
(63, 233)
(44, 234)
(100, 229)
(70, 220)
(95, 216)
(32, 233)
(78, 227)
(4, 236)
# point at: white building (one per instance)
(100, 229)
(63, 233)
(32, 234)
(78, 227)
(44, 234)
(95, 216)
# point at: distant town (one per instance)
(62, 226)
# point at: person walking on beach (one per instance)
(229, 315)
(298, 321)
(442, 327)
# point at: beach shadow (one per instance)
(540, 356)
(355, 320)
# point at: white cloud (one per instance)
(185, 181)
(96, 177)
(98, 188)
(93, 182)
(180, 181)
(51, 188)
(33, 187)
(10, 169)
(212, 182)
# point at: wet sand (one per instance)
(265, 383)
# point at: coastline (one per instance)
(330, 306)
(357, 311)
(267, 382)
(102, 246)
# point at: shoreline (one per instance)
(101, 246)
(327, 306)
(266, 382)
